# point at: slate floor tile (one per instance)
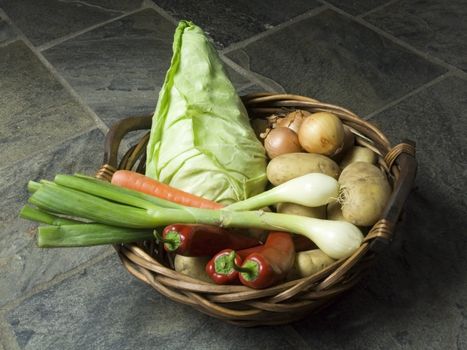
(36, 111)
(232, 21)
(357, 7)
(69, 316)
(140, 318)
(45, 20)
(332, 58)
(118, 69)
(220, 335)
(6, 32)
(414, 298)
(22, 264)
(436, 27)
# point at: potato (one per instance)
(365, 191)
(334, 212)
(192, 266)
(291, 165)
(358, 154)
(357, 170)
(297, 209)
(308, 263)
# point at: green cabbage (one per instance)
(201, 140)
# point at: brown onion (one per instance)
(322, 133)
(293, 120)
(281, 140)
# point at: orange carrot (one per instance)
(138, 182)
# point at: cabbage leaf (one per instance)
(201, 140)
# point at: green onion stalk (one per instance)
(119, 209)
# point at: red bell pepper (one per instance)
(270, 264)
(203, 240)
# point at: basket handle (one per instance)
(113, 140)
(403, 156)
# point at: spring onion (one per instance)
(88, 235)
(337, 239)
(311, 190)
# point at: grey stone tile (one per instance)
(357, 7)
(415, 296)
(105, 308)
(6, 32)
(332, 58)
(436, 27)
(23, 265)
(36, 110)
(45, 20)
(217, 335)
(118, 69)
(232, 21)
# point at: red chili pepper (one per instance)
(270, 264)
(203, 240)
(221, 267)
(302, 243)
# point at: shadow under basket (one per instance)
(289, 301)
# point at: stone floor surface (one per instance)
(70, 69)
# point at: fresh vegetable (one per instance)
(31, 213)
(289, 166)
(297, 209)
(138, 182)
(201, 140)
(308, 263)
(221, 267)
(281, 140)
(311, 190)
(203, 240)
(364, 193)
(334, 211)
(322, 133)
(337, 239)
(292, 120)
(88, 235)
(269, 265)
(302, 243)
(193, 266)
(358, 154)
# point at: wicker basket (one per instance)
(285, 302)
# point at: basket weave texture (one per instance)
(289, 301)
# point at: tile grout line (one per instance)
(268, 32)
(67, 37)
(377, 8)
(411, 93)
(93, 6)
(55, 281)
(297, 337)
(394, 39)
(160, 11)
(246, 73)
(63, 82)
